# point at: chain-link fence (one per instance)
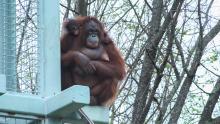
(27, 54)
(19, 31)
(8, 42)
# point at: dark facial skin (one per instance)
(92, 40)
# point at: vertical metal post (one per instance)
(49, 33)
(3, 47)
(2, 76)
(1, 36)
(10, 43)
(49, 44)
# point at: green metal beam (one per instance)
(49, 35)
(63, 105)
(97, 114)
(49, 44)
(10, 44)
(100, 115)
(2, 37)
(67, 101)
(19, 103)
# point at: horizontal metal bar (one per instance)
(19, 103)
(65, 102)
(61, 105)
(20, 116)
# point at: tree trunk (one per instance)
(148, 65)
(81, 7)
(206, 116)
(155, 35)
(175, 113)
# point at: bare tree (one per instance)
(171, 55)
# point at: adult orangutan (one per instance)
(89, 57)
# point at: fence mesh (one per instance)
(8, 42)
(27, 54)
(19, 48)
